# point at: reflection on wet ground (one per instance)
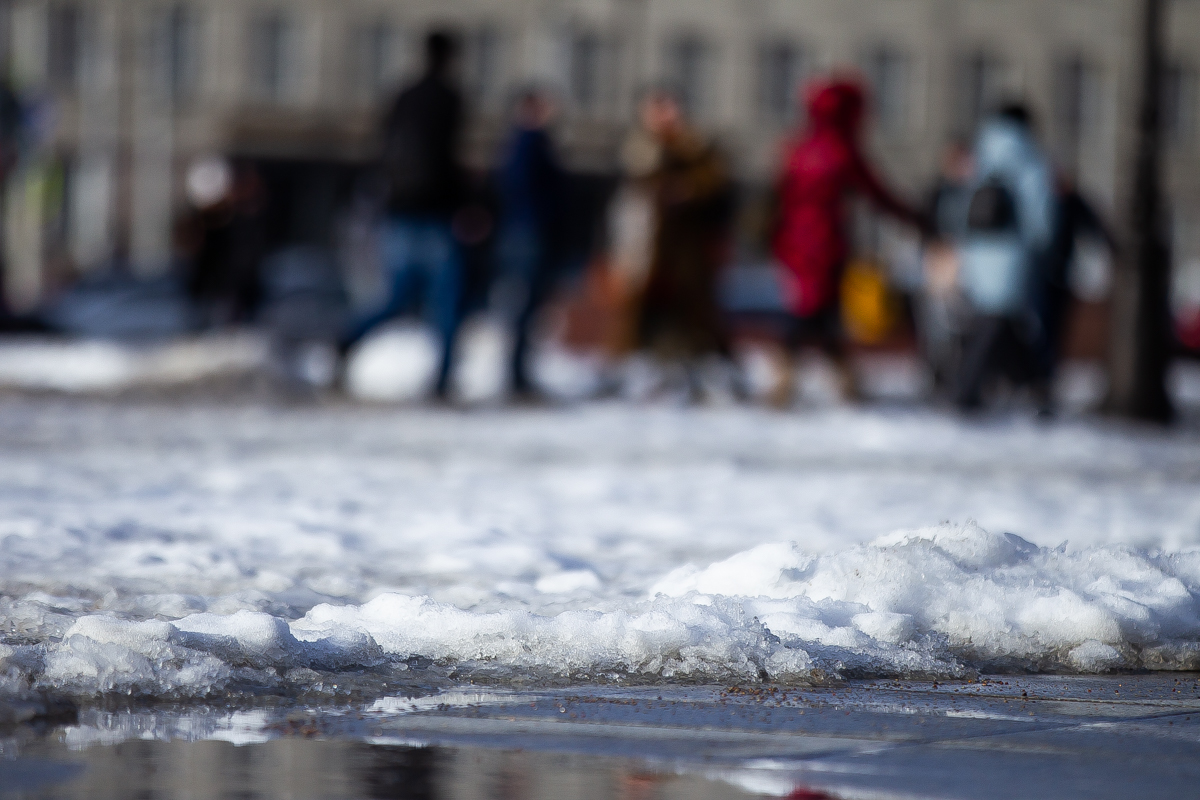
(999, 737)
(300, 769)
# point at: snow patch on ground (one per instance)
(107, 366)
(183, 550)
(398, 363)
(939, 601)
(996, 600)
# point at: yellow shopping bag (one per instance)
(869, 308)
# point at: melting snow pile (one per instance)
(990, 600)
(184, 551)
(940, 602)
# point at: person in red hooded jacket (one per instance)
(823, 166)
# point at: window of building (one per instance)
(889, 71)
(274, 56)
(591, 72)
(689, 67)
(585, 73)
(484, 76)
(981, 84)
(780, 73)
(1076, 106)
(1071, 91)
(181, 52)
(64, 36)
(378, 52)
(1181, 88)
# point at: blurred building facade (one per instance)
(122, 94)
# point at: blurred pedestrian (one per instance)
(822, 167)
(1075, 221)
(951, 193)
(533, 195)
(631, 221)
(11, 125)
(421, 256)
(227, 240)
(1010, 229)
(679, 317)
(939, 308)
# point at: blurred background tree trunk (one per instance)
(1141, 332)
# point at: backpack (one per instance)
(992, 209)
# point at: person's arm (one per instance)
(454, 122)
(781, 193)
(549, 170)
(454, 132)
(388, 133)
(1088, 219)
(870, 184)
(549, 180)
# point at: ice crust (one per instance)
(934, 602)
(181, 552)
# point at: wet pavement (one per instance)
(998, 737)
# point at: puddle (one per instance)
(295, 768)
(1034, 737)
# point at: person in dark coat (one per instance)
(1075, 218)
(680, 317)
(533, 193)
(426, 189)
(224, 281)
(939, 308)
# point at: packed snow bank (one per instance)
(178, 550)
(935, 602)
(997, 600)
(107, 366)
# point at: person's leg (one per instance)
(936, 336)
(978, 359)
(444, 267)
(539, 286)
(1032, 361)
(398, 245)
(797, 332)
(833, 343)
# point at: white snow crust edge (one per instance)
(934, 602)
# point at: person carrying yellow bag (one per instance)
(823, 167)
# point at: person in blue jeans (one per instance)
(421, 255)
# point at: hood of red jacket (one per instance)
(836, 104)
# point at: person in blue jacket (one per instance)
(533, 194)
(1011, 216)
